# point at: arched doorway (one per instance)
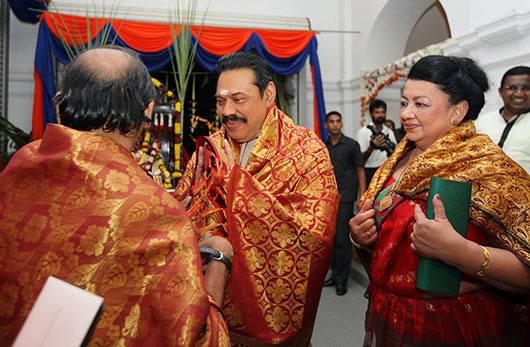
(402, 27)
(431, 27)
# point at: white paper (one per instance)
(61, 316)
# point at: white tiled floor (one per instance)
(340, 319)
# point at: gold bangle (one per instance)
(486, 263)
(354, 243)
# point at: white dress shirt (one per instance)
(517, 144)
(378, 157)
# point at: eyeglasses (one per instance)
(513, 89)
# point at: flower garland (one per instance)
(166, 176)
(144, 159)
(372, 81)
(177, 141)
(149, 156)
(141, 154)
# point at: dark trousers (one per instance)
(342, 247)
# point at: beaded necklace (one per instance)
(386, 202)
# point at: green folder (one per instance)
(435, 275)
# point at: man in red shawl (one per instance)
(77, 206)
(268, 186)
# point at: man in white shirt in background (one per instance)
(509, 127)
(376, 149)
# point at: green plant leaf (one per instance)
(12, 138)
(181, 25)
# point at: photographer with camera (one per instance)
(377, 141)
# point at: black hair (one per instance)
(91, 100)
(377, 103)
(247, 60)
(514, 71)
(330, 113)
(459, 77)
(391, 121)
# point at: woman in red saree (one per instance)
(441, 98)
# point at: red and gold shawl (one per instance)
(281, 211)
(500, 202)
(75, 205)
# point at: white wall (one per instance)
(431, 28)
(321, 14)
(22, 42)
(496, 33)
(385, 27)
(497, 36)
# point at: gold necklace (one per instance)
(386, 202)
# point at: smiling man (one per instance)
(280, 207)
(509, 126)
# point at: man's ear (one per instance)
(57, 107)
(270, 93)
(149, 109)
(57, 113)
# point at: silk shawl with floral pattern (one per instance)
(75, 205)
(500, 202)
(281, 222)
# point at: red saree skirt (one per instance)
(401, 315)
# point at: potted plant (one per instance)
(11, 139)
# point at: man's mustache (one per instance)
(233, 118)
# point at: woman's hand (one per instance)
(362, 226)
(435, 238)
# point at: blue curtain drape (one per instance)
(49, 44)
(28, 10)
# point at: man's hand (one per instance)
(378, 141)
(217, 242)
(186, 202)
(227, 155)
(200, 164)
(216, 272)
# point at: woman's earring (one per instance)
(454, 122)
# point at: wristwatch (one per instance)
(214, 254)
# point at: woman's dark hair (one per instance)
(459, 77)
(247, 60)
(391, 122)
(90, 99)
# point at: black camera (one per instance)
(389, 146)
